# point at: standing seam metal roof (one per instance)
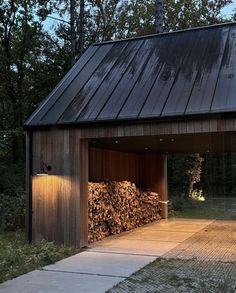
(173, 74)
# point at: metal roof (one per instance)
(168, 75)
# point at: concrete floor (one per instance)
(109, 261)
(155, 239)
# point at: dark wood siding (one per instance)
(59, 200)
(28, 182)
(146, 170)
(113, 165)
(161, 128)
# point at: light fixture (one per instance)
(146, 148)
(172, 139)
(44, 169)
(161, 139)
(116, 141)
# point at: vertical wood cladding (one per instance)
(147, 170)
(113, 165)
(58, 200)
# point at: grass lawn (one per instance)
(176, 275)
(212, 208)
(17, 257)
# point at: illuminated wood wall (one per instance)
(59, 201)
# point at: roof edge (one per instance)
(166, 33)
(102, 123)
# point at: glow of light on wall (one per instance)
(51, 187)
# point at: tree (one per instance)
(184, 14)
(29, 68)
(75, 32)
(159, 17)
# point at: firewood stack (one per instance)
(115, 207)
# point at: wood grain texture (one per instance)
(160, 128)
(59, 198)
(28, 183)
(83, 211)
(146, 170)
(113, 165)
(153, 175)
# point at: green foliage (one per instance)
(12, 211)
(115, 19)
(184, 171)
(177, 203)
(223, 285)
(29, 66)
(18, 258)
(181, 203)
(184, 14)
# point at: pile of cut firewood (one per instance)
(115, 207)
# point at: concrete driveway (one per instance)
(108, 262)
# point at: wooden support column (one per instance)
(164, 188)
(28, 200)
(83, 193)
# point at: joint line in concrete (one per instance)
(82, 273)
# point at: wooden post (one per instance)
(164, 189)
(28, 214)
(83, 212)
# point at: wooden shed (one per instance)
(116, 114)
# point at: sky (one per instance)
(228, 11)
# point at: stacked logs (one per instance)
(115, 207)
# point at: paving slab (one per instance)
(175, 227)
(58, 282)
(106, 264)
(152, 235)
(136, 247)
(154, 239)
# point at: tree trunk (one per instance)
(81, 28)
(72, 32)
(159, 17)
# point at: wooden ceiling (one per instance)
(186, 143)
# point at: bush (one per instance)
(181, 203)
(177, 203)
(18, 257)
(12, 211)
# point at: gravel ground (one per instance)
(205, 262)
(173, 275)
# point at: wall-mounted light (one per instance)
(44, 169)
(116, 141)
